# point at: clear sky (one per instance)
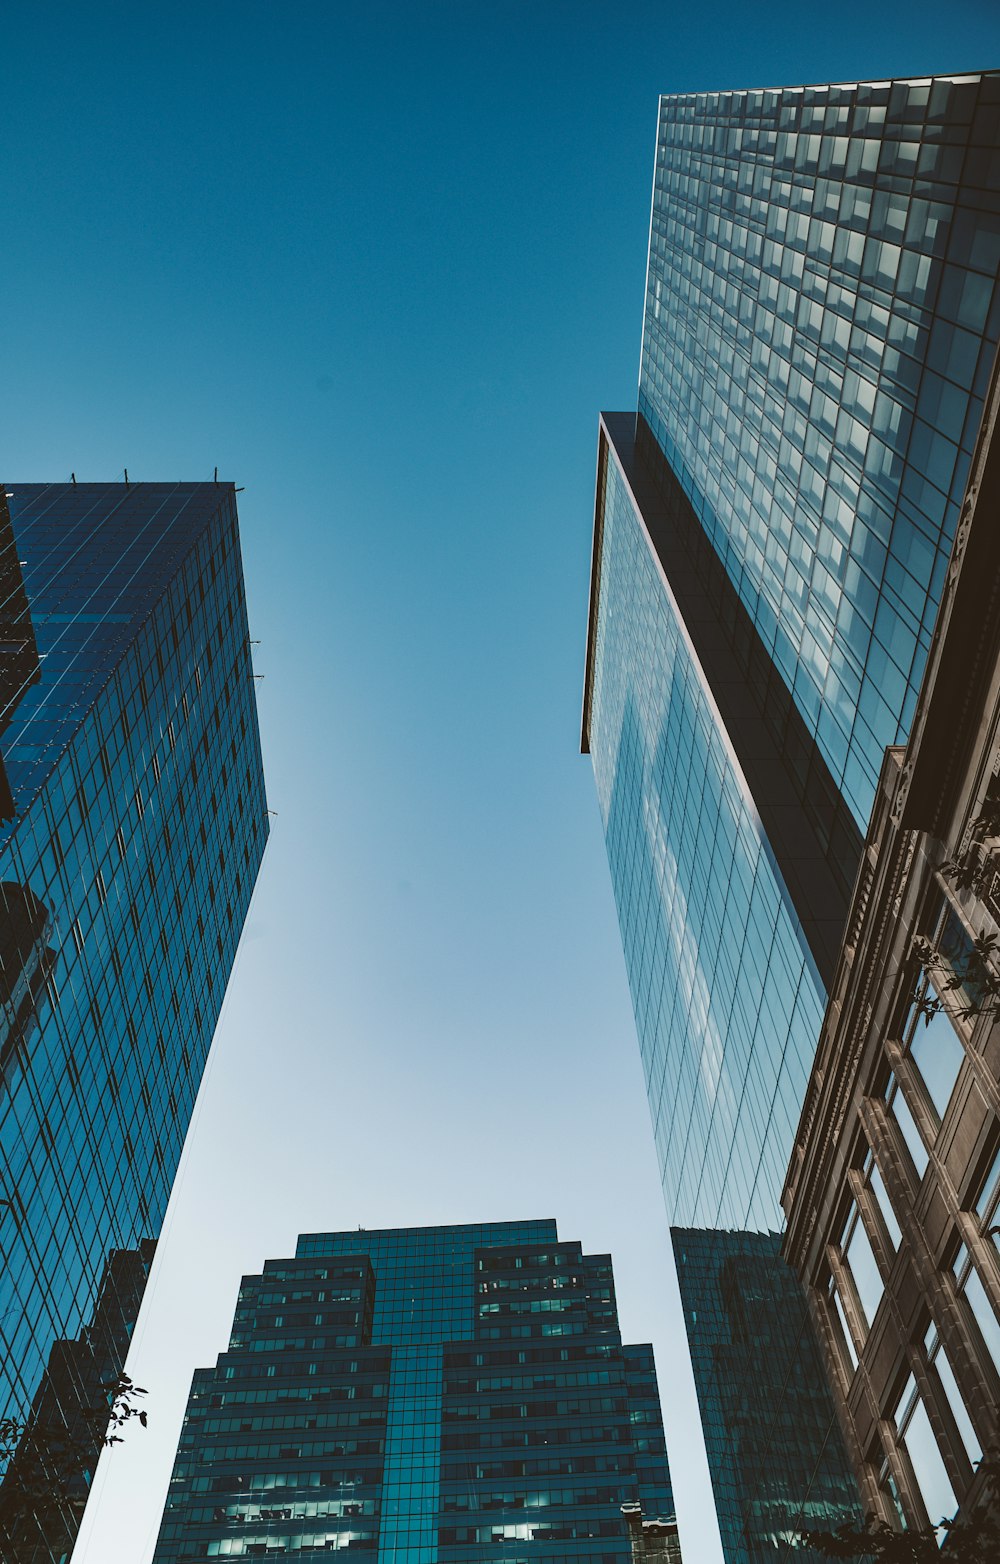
(382, 264)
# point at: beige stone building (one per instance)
(893, 1192)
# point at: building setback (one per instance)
(893, 1192)
(428, 1394)
(132, 823)
(772, 531)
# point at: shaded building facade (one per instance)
(47, 1480)
(893, 1190)
(772, 530)
(132, 822)
(467, 1395)
(772, 1436)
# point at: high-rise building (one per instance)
(893, 1193)
(427, 1394)
(772, 529)
(132, 823)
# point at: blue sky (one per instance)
(382, 265)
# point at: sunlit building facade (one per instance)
(772, 530)
(132, 823)
(422, 1394)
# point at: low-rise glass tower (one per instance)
(422, 1394)
(132, 823)
(772, 530)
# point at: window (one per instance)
(939, 1360)
(887, 1483)
(907, 1126)
(988, 1202)
(970, 1286)
(936, 1050)
(916, 1436)
(862, 1264)
(880, 1195)
(955, 946)
(841, 1317)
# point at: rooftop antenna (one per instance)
(216, 478)
(73, 476)
(126, 477)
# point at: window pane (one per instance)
(845, 1330)
(887, 1483)
(937, 1052)
(881, 1194)
(928, 1467)
(955, 945)
(988, 1192)
(986, 1319)
(949, 1383)
(910, 1133)
(865, 1271)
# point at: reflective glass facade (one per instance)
(132, 823)
(727, 999)
(47, 1481)
(467, 1395)
(771, 535)
(821, 320)
(777, 1461)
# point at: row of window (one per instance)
(502, 1357)
(509, 1438)
(531, 1382)
(271, 1397)
(551, 1466)
(526, 1531)
(293, 1343)
(306, 1509)
(315, 1542)
(456, 1411)
(531, 1499)
(254, 1481)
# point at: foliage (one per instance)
(974, 974)
(123, 1396)
(972, 869)
(45, 1464)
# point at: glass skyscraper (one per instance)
(771, 535)
(422, 1394)
(132, 823)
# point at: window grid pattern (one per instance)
(727, 1002)
(821, 318)
(728, 1007)
(135, 823)
(519, 1431)
(777, 1462)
